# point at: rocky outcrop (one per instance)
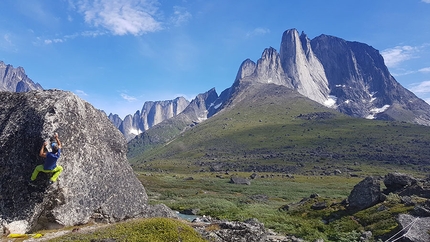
(365, 194)
(397, 181)
(97, 183)
(15, 80)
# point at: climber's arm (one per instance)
(58, 141)
(42, 152)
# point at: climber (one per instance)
(50, 164)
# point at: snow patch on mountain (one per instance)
(135, 131)
(375, 111)
(331, 101)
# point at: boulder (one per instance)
(397, 181)
(415, 189)
(365, 194)
(250, 230)
(239, 180)
(415, 229)
(97, 182)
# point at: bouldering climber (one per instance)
(50, 163)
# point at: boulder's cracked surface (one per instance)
(97, 182)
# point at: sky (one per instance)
(118, 54)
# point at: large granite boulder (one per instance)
(365, 194)
(97, 183)
(414, 229)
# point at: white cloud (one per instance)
(81, 93)
(121, 17)
(398, 54)
(180, 16)
(50, 41)
(258, 31)
(423, 87)
(427, 69)
(128, 98)
(425, 1)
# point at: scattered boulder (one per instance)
(285, 207)
(365, 194)
(415, 229)
(319, 206)
(97, 182)
(250, 231)
(239, 180)
(421, 211)
(416, 190)
(397, 181)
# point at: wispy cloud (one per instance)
(81, 93)
(50, 41)
(427, 69)
(121, 17)
(425, 1)
(258, 31)
(423, 87)
(394, 56)
(6, 37)
(180, 16)
(128, 98)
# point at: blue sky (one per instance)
(117, 54)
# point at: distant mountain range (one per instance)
(346, 76)
(349, 77)
(15, 80)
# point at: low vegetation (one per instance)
(283, 204)
(153, 229)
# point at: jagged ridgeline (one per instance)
(315, 101)
(275, 129)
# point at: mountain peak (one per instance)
(15, 80)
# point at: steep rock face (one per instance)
(200, 108)
(269, 69)
(131, 126)
(362, 84)
(152, 113)
(15, 79)
(115, 119)
(97, 181)
(155, 112)
(350, 77)
(302, 67)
